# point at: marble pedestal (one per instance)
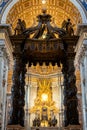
(64, 128)
(73, 127)
(15, 127)
(44, 128)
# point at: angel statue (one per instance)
(67, 25)
(20, 27)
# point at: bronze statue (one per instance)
(20, 27)
(50, 122)
(36, 122)
(54, 121)
(67, 25)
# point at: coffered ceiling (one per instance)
(28, 10)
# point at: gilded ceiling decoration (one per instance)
(28, 10)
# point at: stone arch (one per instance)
(7, 9)
(76, 3)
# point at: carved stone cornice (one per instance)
(82, 28)
(5, 28)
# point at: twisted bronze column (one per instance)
(70, 92)
(15, 91)
(22, 94)
(65, 74)
(18, 91)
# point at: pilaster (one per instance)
(79, 94)
(81, 64)
(27, 103)
(1, 84)
(82, 69)
(3, 80)
(5, 56)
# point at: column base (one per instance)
(64, 128)
(73, 127)
(14, 127)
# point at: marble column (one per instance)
(27, 104)
(81, 62)
(33, 95)
(79, 94)
(83, 68)
(5, 60)
(3, 82)
(85, 63)
(5, 77)
(26, 107)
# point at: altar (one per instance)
(44, 110)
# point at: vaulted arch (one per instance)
(59, 9)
